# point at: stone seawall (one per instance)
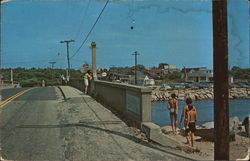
(197, 94)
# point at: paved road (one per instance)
(39, 125)
(22, 137)
(6, 93)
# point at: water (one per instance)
(205, 109)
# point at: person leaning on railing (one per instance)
(87, 76)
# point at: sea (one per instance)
(205, 109)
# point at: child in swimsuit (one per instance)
(184, 116)
(173, 111)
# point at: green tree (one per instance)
(34, 76)
(240, 73)
(139, 67)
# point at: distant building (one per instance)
(85, 67)
(169, 69)
(148, 81)
(163, 69)
(119, 69)
(129, 78)
(142, 79)
(201, 74)
(154, 72)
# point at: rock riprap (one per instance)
(197, 94)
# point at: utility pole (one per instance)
(185, 75)
(52, 64)
(67, 44)
(135, 54)
(220, 61)
(113, 71)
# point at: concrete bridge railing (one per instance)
(8, 84)
(133, 102)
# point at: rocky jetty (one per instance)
(197, 94)
(206, 130)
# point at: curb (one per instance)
(64, 97)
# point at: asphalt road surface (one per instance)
(22, 135)
(40, 125)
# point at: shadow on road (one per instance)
(84, 125)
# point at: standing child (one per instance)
(184, 116)
(173, 111)
(191, 120)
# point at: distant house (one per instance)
(140, 78)
(129, 78)
(169, 69)
(148, 82)
(201, 74)
(154, 72)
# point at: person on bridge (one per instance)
(173, 111)
(43, 83)
(184, 116)
(86, 78)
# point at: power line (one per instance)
(66, 17)
(83, 19)
(90, 30)
(32, 61)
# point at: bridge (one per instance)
(8, 84)
(62, 123)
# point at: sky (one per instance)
(175, 32)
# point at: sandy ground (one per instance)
(205, 149)
(239, 148)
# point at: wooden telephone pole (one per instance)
(220, 61)
(67, 43)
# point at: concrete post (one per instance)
(146, 106)
(93, 46)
